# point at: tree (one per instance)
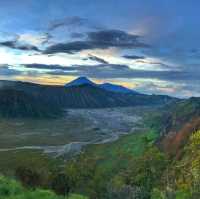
(126, 191)
(28, 177)
(60, 184)
(146, 171)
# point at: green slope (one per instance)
(11, 189)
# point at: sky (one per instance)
(150, 46)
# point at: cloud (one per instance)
(158, 63)
(68, 21)
(5, 70)
(34, 39)
(102, 39)
(76, 68)
(177, 89)
(77, 35)
(70, 47)
(74, 21)
(44, 66)
(134, 57)
(97, 59)
(14, 44)
(177, 83)
(114, 71)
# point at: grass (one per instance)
(11, 160)
(11, 189)
(108, 156)
(77, 125)
(116, 155)
(28, 132)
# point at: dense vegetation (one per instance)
(118, 171)
(98, 173)
(10, 189)
(136, 170)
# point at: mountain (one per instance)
(14, 103)
(80, 81)
(116, 88)
(45, 99)
(106, 86)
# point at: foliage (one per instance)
(126, 191)
(10, 189)
(126, 164)
(28, 177)
(60, 184)
(131, 168)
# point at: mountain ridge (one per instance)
(106, 86)
(80, 81)
(81, 96)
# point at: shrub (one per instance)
(60, 184)
(28, 177)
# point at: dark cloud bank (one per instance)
(14, 44)
(115, 71)
(102, 39)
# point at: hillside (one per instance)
(85, 96)
(183, 111)
(11, 189)
(14, 103)
(137, 166)
(178, 123)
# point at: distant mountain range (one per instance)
(36, 100)
(106, 86)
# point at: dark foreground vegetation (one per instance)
(137, 170)
(11, 189)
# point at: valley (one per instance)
(99, 143)
(77, 128)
